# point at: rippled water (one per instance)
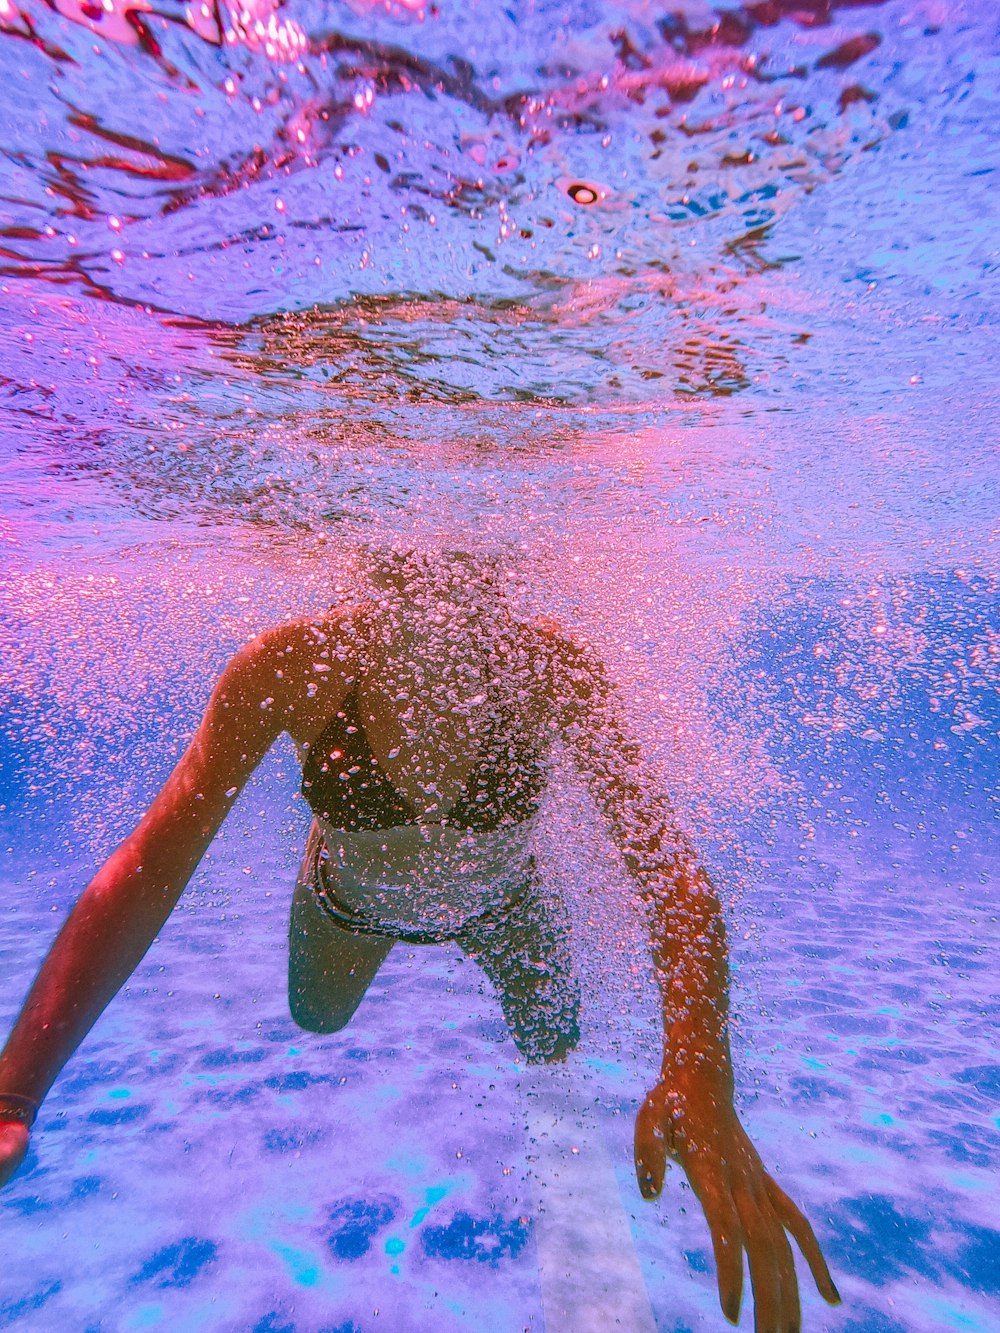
(693, 309)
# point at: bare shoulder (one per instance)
(548, 635)
(565, 648)
(287, 666)
(338, 632)
(548, 630)
(573, 670)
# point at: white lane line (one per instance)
(589, 1272)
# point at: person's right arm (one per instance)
(121, 911)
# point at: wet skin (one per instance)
(294, 679)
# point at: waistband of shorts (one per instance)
(359, 923)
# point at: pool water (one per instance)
(689, 310)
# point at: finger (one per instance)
(760, 1239)
(789, 1317)
(791, 1311)
(650, 1149)
(805, 1238)
(727, 1244)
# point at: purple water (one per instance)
(694, 309)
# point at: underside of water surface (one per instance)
(685, 311)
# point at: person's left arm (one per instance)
(689, 1114)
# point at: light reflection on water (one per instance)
(693, 309)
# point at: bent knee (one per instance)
(547, 1045)
(314, 1018)
(553, 1054)
(558, 1053)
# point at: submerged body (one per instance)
(424, 719)
(424, 819)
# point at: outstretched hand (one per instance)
(745, 1209)
(13, 1148)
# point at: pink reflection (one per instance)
(253, 24)
(114, 19)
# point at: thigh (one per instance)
(525, 952)
(329, 968)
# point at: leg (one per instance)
(329, 968)
(525, 953)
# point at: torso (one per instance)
(456, 766)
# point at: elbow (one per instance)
(127, 879)
(684, 895)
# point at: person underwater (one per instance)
(424, 717)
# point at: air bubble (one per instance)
(581, 192)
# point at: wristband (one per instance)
(15, 1107)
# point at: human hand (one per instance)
(744, 1208)
(13, 1148)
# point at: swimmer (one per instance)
(424, 717)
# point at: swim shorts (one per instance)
(523, 946)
